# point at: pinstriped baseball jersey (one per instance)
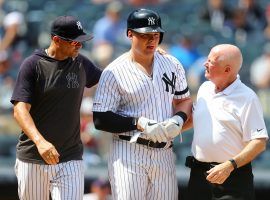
(136, 171)
(128, 91)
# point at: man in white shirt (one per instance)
(229, 131)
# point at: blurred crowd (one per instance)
(192, 28)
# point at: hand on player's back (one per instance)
(161, 51)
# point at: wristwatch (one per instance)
(234, 164)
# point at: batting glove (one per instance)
(153, 130)
(173, 126)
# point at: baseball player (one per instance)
(47, 98)
(143, 99)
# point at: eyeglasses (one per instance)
(71, 42)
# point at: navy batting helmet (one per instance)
(145, 21)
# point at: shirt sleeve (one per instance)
(25, 82)
(253, 121)
(93, 73)
(107, 97)
(181, 87)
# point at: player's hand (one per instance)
(161, 51)
(173, 126)
(47, 152)
(153, 130)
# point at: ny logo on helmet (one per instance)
(79, 25)
(151, 21)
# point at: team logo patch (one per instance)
(169, 82)
(79, 25)
(72, 80)
(151, 21)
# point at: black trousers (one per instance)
(238, 186)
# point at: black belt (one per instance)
(143, 141)
(192, 162)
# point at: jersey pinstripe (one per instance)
(62, 181)
(126, 90)
(136, 171)
(147, 174)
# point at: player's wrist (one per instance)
(135, 123)
(141, 123)
(182, 115)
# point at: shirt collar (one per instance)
(228, 90)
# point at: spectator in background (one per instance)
(185, 51)
(216, 13)
(89, 135)
(260, 78)
(96, 142)
(110, 28)
(6, 83)
(12, 30)
(255, 16)
(267, 28)
(99, 190)
(239, 26)
(4, 64)
(11, 34)
(109, 32)
(88, 130)
(195, 75)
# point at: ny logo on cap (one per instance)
(151, 21)
(79, 25)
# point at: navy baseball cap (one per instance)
(69, 28)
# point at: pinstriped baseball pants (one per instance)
(137, 172)
(64, 181)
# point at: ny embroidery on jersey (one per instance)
(169, 82)
(72, 79)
